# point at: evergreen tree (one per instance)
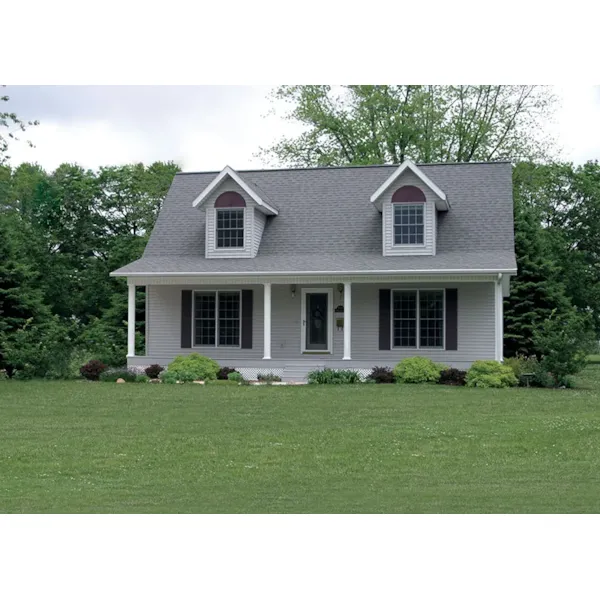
(20, 296)
(535, 290)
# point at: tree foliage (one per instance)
(61, 234)
(376, 124)
(10, 126)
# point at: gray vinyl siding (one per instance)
(476, 326)
(165, 325)
(388, 219)
(250, 248)
(260, 220)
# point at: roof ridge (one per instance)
(388, 165)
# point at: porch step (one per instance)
(299, 371)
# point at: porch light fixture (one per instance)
(293, 290)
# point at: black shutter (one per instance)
(186, 318)
(451, 319)
(247, 305)
(385, 320)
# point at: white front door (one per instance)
(317, 321)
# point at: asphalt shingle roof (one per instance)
(327, 223)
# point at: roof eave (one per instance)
(510, 271)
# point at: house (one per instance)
(288, 270)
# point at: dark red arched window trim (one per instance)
(230, 200)
(408, 193)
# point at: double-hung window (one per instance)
(409, 225)
(230, 228)
(418, 316)
(217, 318)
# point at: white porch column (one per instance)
(499, 319)
(131, 321)
(267, 321)
(347, 321)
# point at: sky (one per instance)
(204, 128)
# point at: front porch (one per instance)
(290, 326)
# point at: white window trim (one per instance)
(216, 344)
(418, 346)
(231, 248)
(425, 211)
(329, 292)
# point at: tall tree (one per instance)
(566, 200)
(536, 291)
(355, 125)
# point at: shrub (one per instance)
(194, 367)
(268, 377)
(418, 369)
(381, 375)
(114, 374)
(333, 376)
(564, 341)
(153, 371)
(168, 377)
(490, 374)
(235, 376)
(41, 349)
(224, 372)
(142, 379)
(529, 371)
(452, 377)
(93, 369)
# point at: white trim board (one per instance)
(443, 203)
(229, 172)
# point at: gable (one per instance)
(406, 168)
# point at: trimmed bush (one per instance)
(268, 377)
(112, 376)
(453, 377)
(194, 367)
(235, 376)
(381, 375)
(93, 369)
(142, 379)
(153, 371)
(490, 374)
(224, 372)
(333, 376)
(418, 369)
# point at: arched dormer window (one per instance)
(230, 208)
(409, 215)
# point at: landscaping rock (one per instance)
(155, 381)
(200, 382)
(120, 380)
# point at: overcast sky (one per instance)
(203, 127)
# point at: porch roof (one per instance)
(319, 264)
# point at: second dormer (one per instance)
(409, 202)
(236, 215)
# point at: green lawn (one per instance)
(101, 447)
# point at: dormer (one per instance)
(409, 202)
(236, 214)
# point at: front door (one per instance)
(315, 321)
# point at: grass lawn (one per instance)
(103, 447)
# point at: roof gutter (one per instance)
(320, 273)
